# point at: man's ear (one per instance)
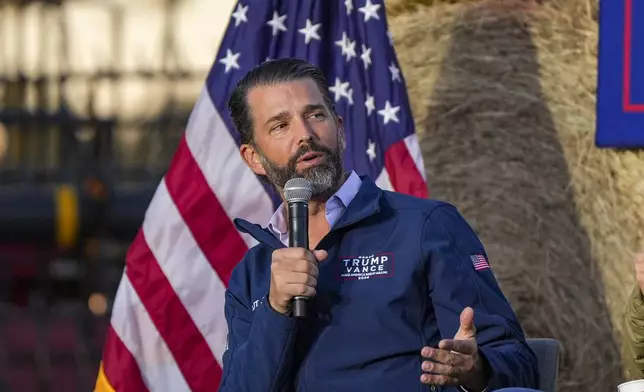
(251, 158)
(341, 136)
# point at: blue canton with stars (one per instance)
(349, 41)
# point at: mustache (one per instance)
(305, 149)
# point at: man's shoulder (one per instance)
(402, 202)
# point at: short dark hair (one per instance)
(265, 74)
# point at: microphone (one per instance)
(298, 192)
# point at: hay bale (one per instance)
(503, 99)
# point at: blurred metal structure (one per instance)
(79, 161)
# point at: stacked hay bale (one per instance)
(503, 96)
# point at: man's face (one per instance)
(295, 136)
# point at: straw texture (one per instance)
(503, 96)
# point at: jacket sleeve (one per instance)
(260, 342)
(633, 341)
(449, 243)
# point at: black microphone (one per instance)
(298, 192)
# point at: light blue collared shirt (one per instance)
(335, 206)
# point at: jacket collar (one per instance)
(365, 204)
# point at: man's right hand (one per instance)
(639, 270)
(294, 271)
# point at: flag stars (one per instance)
(366, 56)
(370, 104)
(370, 10)
(310, 31)
(348, 46)
(389, 113)
(395, 72)
(277, 23)
(341, 89)
(349, 6)
(240, 14)
(230, 61)
(371, 151)
(349, 96)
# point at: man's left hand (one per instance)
(457, 361)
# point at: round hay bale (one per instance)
(503, 95)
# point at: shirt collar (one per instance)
(340, 199)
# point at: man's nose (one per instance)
(305, 133)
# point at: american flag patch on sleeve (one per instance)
(480, 262)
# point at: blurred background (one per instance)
(94, 96)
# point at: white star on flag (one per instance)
(349, 5)
(348, 46)
(371, 151)
(370, 10)
(310, 31)
(366, 56)
(240, 14)
(230, 61)
(340, 89)
(370, 104)
(395, 72)
(277, 23)
(389, 113)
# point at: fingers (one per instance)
(467, 318)
(298, 266)
(447, 367)
(320, 255)
(447, 357)
(440, 369)
(467, 347)
(433, 379)
(639, 270)
(639, 258)
(295, 289)
(302, 254)
(639, 262)
(466, 330)
(296, 260)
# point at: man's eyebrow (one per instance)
(283, 115)
(279, 116)
(313, 107)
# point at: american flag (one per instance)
(168, 330)
(479, 262)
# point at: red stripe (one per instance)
(628, 47)
(184, 340)
(121, 370)
(211, 227)
(403, 172)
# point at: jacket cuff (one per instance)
(486, 389)
(495, 361)
(490, 370)
(269, 322)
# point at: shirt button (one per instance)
(433, 388)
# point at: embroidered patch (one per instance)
(366, 267)
(479, 262)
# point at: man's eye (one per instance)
(278, 127)
(318, 116)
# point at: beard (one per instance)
(323, 177)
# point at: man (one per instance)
(391, 277)
(634, 324)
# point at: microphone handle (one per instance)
(298, 237)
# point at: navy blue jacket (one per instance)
(397, 277)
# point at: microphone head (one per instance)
(298, 189)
